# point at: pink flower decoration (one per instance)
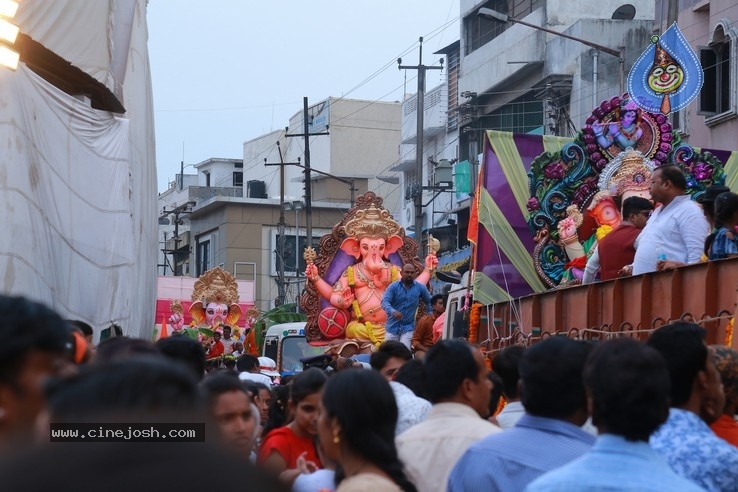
(702, 171)
(554, 171)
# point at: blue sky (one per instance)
(236, 69)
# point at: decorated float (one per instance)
(216, 299)
(362, 255)
(543, 202)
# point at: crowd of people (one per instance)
(419, 413)
(678, 231)
(560, 415)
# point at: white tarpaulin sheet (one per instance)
(78, 185)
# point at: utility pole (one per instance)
(184, 209)
(418, 190)
(308, 191)
(281, 284)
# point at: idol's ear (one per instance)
(197, 311)
(393, 244)
(350, 246)
(234, 314)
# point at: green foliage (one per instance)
(194, 332)
(286, 313)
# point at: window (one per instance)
(207, 179)
(718, 99)
(238, 178)
(203, 257)
(239, 165)
(524, 115)
(292, 260)
(479, 31)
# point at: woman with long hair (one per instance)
(723, 241)
(356, 427)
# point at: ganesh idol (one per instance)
(626, 175)
(214, 303)
(370, 248)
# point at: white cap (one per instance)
(268, 367)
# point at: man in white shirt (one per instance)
(675, 234)
(249, 369)
(227, 341)
(460, 392)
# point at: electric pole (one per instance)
(176, 211)
(308, 191)
(418, 190)
(281, 284)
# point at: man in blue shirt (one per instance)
(628, 390)
(400, 302)
(548, 436)
(685, 440)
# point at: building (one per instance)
(229, 214)
(352, 140)
(215, 176)
(520, 79)
(511, 77)
(711, 28)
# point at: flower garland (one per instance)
(475, 318)
(729, 333)
(373, 336)
(603, 231)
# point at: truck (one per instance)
(285, 343)
(534, 223)
(703, 293)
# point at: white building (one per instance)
(361, 144)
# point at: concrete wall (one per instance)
(697, 21)
(522, 57)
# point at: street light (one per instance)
(620, 54)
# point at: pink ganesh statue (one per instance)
(214, 303)
(358, 261)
